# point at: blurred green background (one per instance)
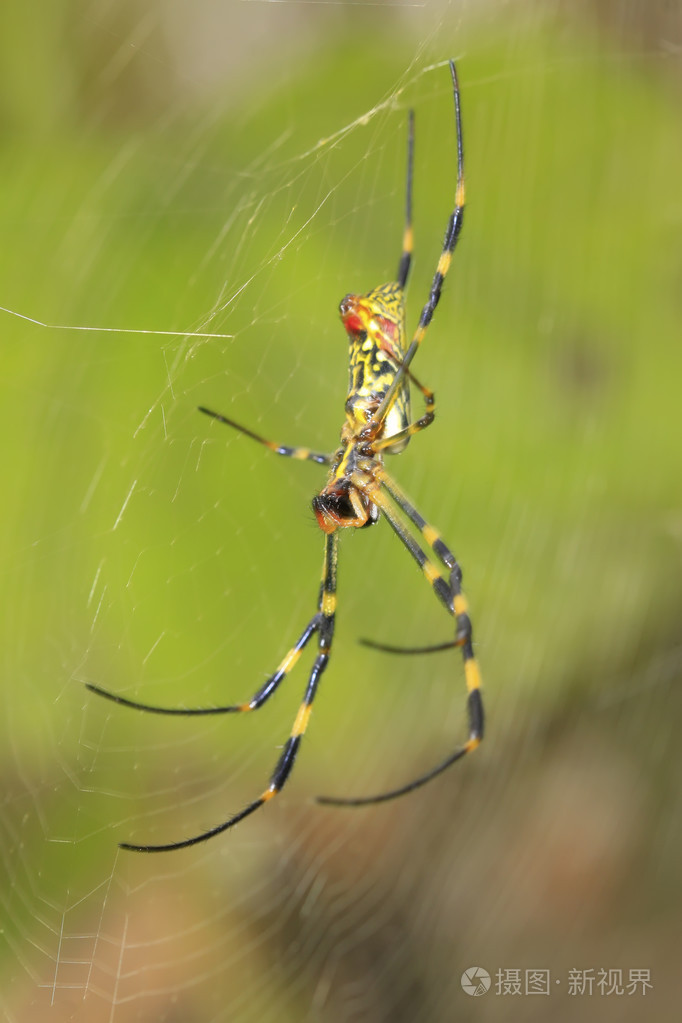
(235, 169)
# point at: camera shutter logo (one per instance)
(475, 981)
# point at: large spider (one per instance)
(358, 492)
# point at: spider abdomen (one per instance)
(375, 324)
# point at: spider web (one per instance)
(184, 202)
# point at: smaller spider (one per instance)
(357, 493)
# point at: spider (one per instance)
(357, 493)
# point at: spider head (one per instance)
(341, 504)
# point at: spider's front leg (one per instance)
(457, 601)
(449, 593)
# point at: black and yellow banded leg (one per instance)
(408, 239)
(455, 603)
(460, 607)
(452, 234)
(430, 534)
(439, 584)
(299, 453)
(412, 428)
(256, 701)
(323, 623)
(441, 549)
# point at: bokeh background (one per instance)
(235, 169)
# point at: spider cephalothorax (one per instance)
(342, 504)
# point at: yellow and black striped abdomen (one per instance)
(375, 324)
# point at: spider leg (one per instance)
(299, 453)
(435, 541)
(256, 701)
(451, 596)
(451, 238)
(431, 535)
(458, 606)
(444, 553)
(406, 257)
(388, 649)
(412, 428)
(384, 797)
(324, 624)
